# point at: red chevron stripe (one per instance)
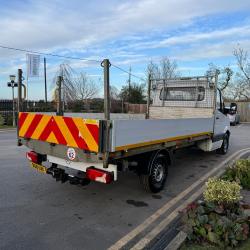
(75, 133)
(94, 130)
(52, 127)
(21, 119)
(33, 125)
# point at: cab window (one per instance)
(182, 94)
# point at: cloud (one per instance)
(51, 25)
(234, 33)
(128, 32)
(211, 51)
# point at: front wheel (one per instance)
(155, 180)
(225, 144)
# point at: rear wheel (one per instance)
(155, 180)
(225, 144)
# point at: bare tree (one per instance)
(114, 93)
(85, 88)
(225, 74)
(166, 69)
(153, 70)
(68, 75)
(242, 88)
(76, 87)
(243, 63)
(228, 77)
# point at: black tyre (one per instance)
(155, 180)
(225, 144)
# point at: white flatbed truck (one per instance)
(180, 113)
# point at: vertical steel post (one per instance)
(45, 82)
(215, 98)
(106, 65)
(215, 88)
(19, 86)
(19, 101)
(59, 89)
(148, 96)
(129, 85)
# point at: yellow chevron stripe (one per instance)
(85, 134)
(51, 138)
(65, 131)
(40, 127)
(91, 121)
(26, 124)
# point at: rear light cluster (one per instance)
(35, 157)
(32, 156)
(99, 175)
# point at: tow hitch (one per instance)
(60, 175)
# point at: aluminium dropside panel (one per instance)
(133, 133)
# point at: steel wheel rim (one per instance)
(225, 145)
(158, 173)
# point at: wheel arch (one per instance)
(160, 152)
(228, 133)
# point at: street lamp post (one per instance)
(13, 84)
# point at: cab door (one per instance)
(221, 121)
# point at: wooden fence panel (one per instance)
(244, 111)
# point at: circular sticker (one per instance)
(71, 153)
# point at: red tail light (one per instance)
(32, 156)
(99, 175)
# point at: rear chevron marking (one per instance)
(94, 131)
(52, 127)
(65, 131)
(75, 133)
(33, 126)
(21, 119)
(26, 125)
(84, 132)
(40, 127)
(72, 132)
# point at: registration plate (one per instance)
(38, 167)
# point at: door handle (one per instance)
(217, 118)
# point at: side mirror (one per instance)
(233, 106)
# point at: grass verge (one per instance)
(6, 127)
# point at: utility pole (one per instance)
(129, 84)
(19, 100)
(45, 81)
(20, 83)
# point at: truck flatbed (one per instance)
(181, 113)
